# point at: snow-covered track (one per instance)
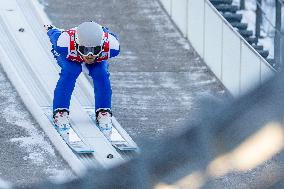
(26, 58)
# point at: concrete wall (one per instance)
(238, 66)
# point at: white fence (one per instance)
(237, 65)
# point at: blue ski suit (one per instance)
(70, 70)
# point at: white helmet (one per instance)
(89, 34)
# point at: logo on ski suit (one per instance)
(73, 55)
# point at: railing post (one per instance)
(277, 39)
(258, 18)
(242, 4)
(282, 35)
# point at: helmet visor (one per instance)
(85, 51)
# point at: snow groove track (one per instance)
(25, 56)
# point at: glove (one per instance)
(48, 27)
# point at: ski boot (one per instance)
(62, 123)
(104, 122)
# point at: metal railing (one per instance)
(277, 25)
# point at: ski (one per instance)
(70, 137)
(74, 141)
(119, 137)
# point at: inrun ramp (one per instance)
(26, 58)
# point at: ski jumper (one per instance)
(64, 51)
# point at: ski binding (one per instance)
(119, 137)
(70, 137)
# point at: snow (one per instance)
(128, 55)
(34, 144)
(164, 27)
(34, 149)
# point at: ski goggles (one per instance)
(94, 51)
